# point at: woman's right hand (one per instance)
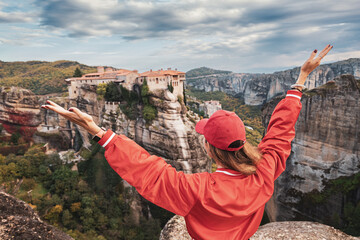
(74, 115)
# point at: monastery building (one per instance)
(155, 79)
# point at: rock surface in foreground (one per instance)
(299, 230)
(175, 229)
(19, 221)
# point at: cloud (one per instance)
(10, 16)
(227, 32)
(15, 17)
(133, 20)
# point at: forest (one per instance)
(90, 203)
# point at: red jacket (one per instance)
(220, 205)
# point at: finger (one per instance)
(57, 109)
(52, 103)
(66, 114)
(76, 111)
(71, 116)
(327, 50)
(313, 54)
(324, 52)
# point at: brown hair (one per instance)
(243, 160)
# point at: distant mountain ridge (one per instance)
(203, 71)
(256, 89)
(41, 77)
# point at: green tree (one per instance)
(77, 73)
(36, 157)
(54, 214)
(67, 219)
(145, 92)
(184, 93)
(170, 87)
(63, 181)
(15, 138)
(101, 89)
(2, 160)
(112, 93)
(25, 168)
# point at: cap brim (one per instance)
(200, 126)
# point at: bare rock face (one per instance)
(19, 221)
(175, 229)
(256, 89)
(319, 183)
(170, 135)
(19, 110)
(299, 230)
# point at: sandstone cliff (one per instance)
(257, 89)
(321, 178)
(19, 221)
(171, 135)
(19, 109)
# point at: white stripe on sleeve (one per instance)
(107, 142)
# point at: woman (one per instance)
(226, 204)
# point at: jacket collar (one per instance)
(229, 172)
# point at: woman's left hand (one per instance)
(74, 115)
(313, 62)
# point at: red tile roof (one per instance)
(160, 73)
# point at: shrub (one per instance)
(149, 113)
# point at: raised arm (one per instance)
(153, 178)
(276, 145)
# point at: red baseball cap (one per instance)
(223, 130)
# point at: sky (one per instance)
(243, 36)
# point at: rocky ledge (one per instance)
(299, 230)
(19, 221)
(175, 229)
